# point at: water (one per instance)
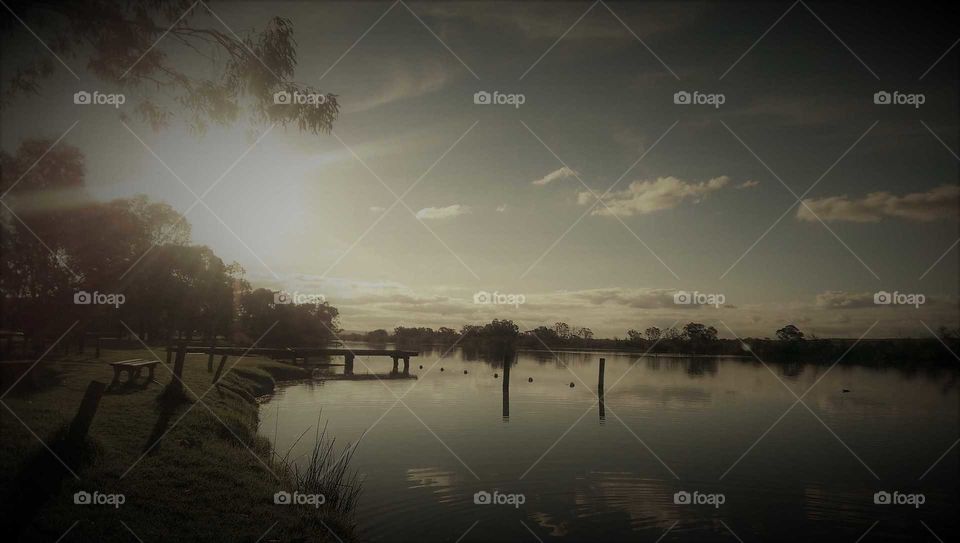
(668, 425)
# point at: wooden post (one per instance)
(348, 364)
(169, 353)
(603, 362)
(83, 342)
(97, 354)
(177, 382)
(396, 360)
(507, 362)
(293, 353)
(406, 365)
(223, 361)
(210, 361)
(88, 407)
(603, 411)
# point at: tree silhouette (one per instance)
(121, 41)
(789, 333)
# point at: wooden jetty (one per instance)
(293, 354)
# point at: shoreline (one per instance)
(210, 476)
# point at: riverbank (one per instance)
(210, 478)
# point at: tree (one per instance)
(546, 335)
(789, 333)
(583, 333)
(699, 333)
(122, 43)
(652, 333)
(562, 330)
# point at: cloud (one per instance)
(934, 204)
(837, 299)
(447, 212)
(377, 209)
(748, 184)
(643, 197)
(556, 175)
(502, 208)
(399, 81)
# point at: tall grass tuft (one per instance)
(326, 471)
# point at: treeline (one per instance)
(693, 338)
(122, 268)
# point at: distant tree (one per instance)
(699, 333)
(789, 333)
(652, 333)
(378, 336)
(583, 333)
(118, 42)
(501, 329)
(279, 324)
(562, 330)
(445, 334)
(545, 335)
(634, 336)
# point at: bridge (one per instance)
(300, 353)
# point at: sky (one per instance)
(787, 195)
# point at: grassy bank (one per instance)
(211, 478)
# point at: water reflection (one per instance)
(590, 479)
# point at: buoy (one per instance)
(529, 379)
(571, 384)
(421, 366)
(846, 390)
(441, 369)
(464, 372)
(495, 375)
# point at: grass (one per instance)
(210, 478)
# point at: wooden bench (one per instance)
(133, 368)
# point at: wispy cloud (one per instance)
(935, 204)
(748, 184)
(556, 175)
(399, 81)
(643, 197)
(455, 210)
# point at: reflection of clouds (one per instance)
(439, 482)
(555, 528)
(661, 395)
(648, 503)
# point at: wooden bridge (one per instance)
(301, 353)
